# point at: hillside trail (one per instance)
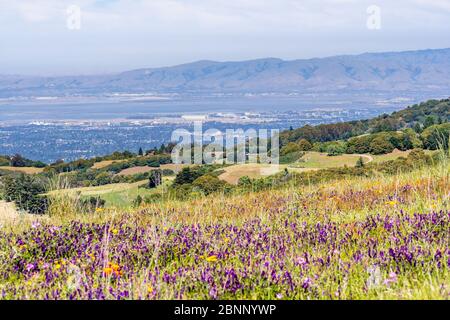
(367, 156)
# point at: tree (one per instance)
(186, 176)
(436, 136)
(155, 179)
(417, 127)
(18, 161)
(102, 179)
(335, 149)
(304, 145)
(380, 145)
(26, 192)
(290, 148)
(429, 121)
(209, 184)
(141, 152)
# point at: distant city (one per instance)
(50, 141)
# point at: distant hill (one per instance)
(424, 70)
(422, 115)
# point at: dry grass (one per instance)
(27, 170)
(322, 160)
(105, 163)
(232, 174)
(136, 170)
(349, 199)
(11, 219)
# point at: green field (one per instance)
(319, 160)
(119, 195)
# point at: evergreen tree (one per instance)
(429, 121)
(417, 128)
(155, 179)
(18, 161)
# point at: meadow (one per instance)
(383, 237)
(116, 195)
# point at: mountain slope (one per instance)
(411, 70)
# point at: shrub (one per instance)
(304, 145)
(186, 176)
(92, 204)
(25, 191)
(380, 145)
(153, 198)
(335, 149)
(209, 184)
(436, 137)
(360, 163)
(138, 201)
(289, 148)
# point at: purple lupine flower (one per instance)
(306, 283)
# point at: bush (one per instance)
(92, 204)
(186, 176)
(209, 184)
(289, 148)
(292, 157)
(380, 145)
(335, 149)
(304, 145)
(26, 192)
(436, 137)
(153, 198)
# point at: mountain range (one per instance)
(424, 70)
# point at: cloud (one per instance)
(120, 34)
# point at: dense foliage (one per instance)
(26, 192)
(417, 116)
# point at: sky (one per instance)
(49, 37)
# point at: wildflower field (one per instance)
(385, 237)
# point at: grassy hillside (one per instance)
(383, 237)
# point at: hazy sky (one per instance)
(118, 35)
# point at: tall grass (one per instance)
(378, 237)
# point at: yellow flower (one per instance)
(391, 203)
(57, 266)
(107, 271)
(92, 256)
(112, 268)
(149, 289)
(98, 210)
(115, 231)
(212, 258)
